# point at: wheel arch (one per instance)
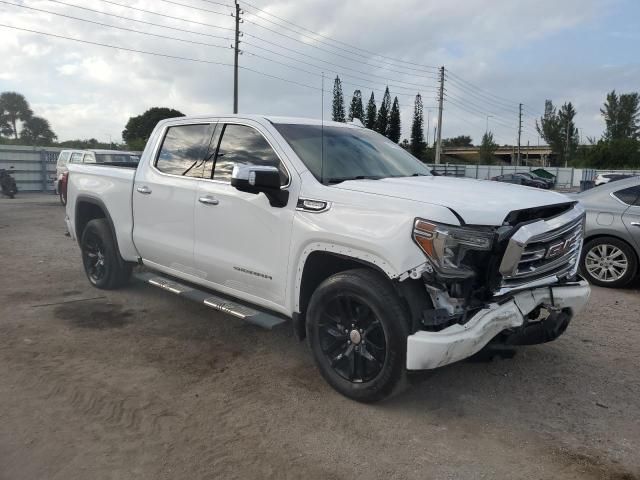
(89, 208)
(320, 264)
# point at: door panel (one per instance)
(242, 242)
(631, 219)
(631, 216)
(164, 196)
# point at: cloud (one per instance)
(86, 90)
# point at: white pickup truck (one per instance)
(383, 267)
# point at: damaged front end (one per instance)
(516, 284)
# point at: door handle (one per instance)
(144, 189)
(208, 200)
(635, 224)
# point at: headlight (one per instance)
(446, 246)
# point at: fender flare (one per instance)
(366, 258)
(84, 198)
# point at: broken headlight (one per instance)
(446, 246)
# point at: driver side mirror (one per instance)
(260, 179)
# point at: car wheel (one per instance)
(102, 262)
(357, 328)
(63, 198)
(608, 262)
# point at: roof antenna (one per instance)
(322, 134)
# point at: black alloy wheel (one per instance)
(93, 257)
(352, 338)
(357, 327)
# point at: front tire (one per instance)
(608, 262)
(357, 328)
(103, 265)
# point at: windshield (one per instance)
(117, 158)
(349, 153)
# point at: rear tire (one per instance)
(357, 328)
(103, 265)
(608, 262)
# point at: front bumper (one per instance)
(427, 350)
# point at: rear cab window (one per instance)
(185, 150)
(76, 157)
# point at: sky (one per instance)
(496, 53)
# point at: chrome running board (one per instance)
(212, 300)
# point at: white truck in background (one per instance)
(383, 267)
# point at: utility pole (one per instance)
(519, 132)
(440, 101)
(428, 126)
(566, 146)
(236, 51)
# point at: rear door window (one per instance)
(630, 196)
(185, 149)
(244, 145)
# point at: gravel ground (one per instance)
(139, 384)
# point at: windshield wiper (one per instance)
(357, 177)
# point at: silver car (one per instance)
(612, 236)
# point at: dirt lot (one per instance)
(139, 384)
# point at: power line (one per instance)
(145, 22)
(162, 15)
(483, 91)
(345, 76)
(298, 52)
(212, 45)
(352, 59)
(386, 80)
(480, 97)
(172, 2)
(119, 28)
(202, 43)
(478, 113)
(157, 54)
(479, 108)
(358, 50)
(245, 33)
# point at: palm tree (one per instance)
(14, 107)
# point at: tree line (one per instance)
(617, 147)
(384, 120)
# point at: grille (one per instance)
(549, 255)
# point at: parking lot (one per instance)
(139, 384)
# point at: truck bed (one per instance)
(109, 186)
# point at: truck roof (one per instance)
(270, 118)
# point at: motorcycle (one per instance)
(8, 183)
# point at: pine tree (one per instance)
(417, 133)
(338, 102)
(382, 122)
(393, 130)
(621, 115)
(356, 110)
(370, 119)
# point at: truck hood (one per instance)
(478, 202)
